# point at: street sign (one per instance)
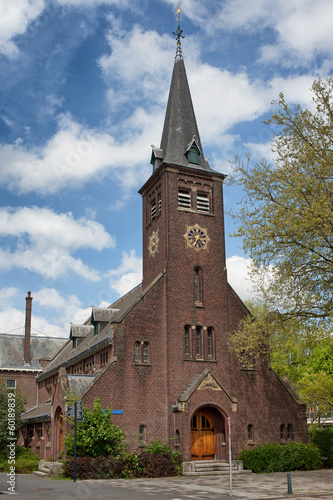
(70, 412)
(79, 411)
(117, 412)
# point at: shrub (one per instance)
(96, 436)
(274, 457)
(156, 460)
(25, 461)
(323, 439)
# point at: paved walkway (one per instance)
(305, 485)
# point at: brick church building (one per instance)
(160, 354)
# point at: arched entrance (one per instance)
(59, 431)
(207, 434)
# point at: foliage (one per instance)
(274, 457)
(316, 385)
(286, 219)
(96, 436)
(12, 404)
(157, 460)
(323, 439)
(25, 461)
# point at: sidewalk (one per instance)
(309, 485)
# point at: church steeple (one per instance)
(180, 143)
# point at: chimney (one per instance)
(27, 328)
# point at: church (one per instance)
(159, 357)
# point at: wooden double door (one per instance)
(203, 435)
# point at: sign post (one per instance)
(230, 462)
(75, 412)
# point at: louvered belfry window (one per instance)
(203, 202)
(184, 198)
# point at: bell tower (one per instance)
(183, 226)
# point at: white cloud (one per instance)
(127, 275)
(238, 276)
(75, 155)
(15, 17)
(44, 241)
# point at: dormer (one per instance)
(156, 157)
(78, 333)
(193, 152)
(100, 317)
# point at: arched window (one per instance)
(142, 434)
(137, 352)
(198, 340)
(250, 433)
(210, 343)
(145, 349)
(198, 285)
(282, 432)
(290, 432)
(187, 342)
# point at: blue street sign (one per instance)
(116, 412)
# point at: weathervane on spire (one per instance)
(179, 31)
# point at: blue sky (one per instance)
(83, 95)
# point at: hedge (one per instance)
(274, 457)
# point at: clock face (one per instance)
(196, 237)
(153, 243)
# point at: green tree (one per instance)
(316, 384)
(286, 219)
(96, 436)
(12, 405)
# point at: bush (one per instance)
(156, 460)
(323, 439)
(274, 457)
(25, 461)
(96, 436)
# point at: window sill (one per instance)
(199, 305)
(191, 210)
(201, 360)
(138, 363)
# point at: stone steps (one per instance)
(47, 469)
(212, 467)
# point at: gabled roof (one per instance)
(80, 331)
(103, 314)
(12, 349)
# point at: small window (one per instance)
(290, 432)
(142, 434)
(250, 433)
(145, 352)
(177, 438)
(137, 352)
(198, 342)
(210, 343)
(184, 198)
(193, 154)
(282, 432)
(198, 285)
(10, 383)
(187, 342)
(203, 202)
(194, 424)
(97, 328)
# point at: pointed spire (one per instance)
(180, 131)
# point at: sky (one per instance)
(83, 92)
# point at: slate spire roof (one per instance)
(180, 129)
